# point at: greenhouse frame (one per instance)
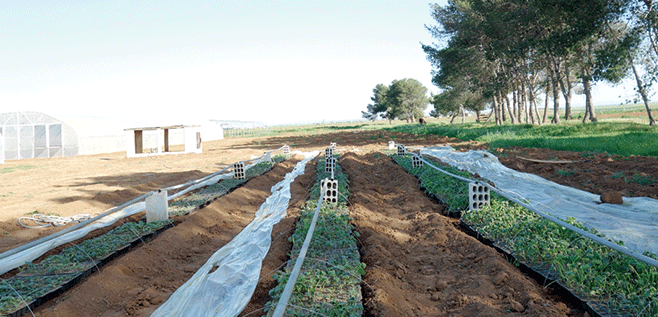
(29, 134)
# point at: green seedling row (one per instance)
(38, 279)
(329, 282)
(626, 286)
(451, 191)
(192, 202)
(615, 282)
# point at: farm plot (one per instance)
(398, 235)
(419, 263)
(330, 272)
(137, 283)
(608, 281)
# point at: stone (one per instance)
(612, 198)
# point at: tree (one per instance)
(379, 105)
(404, 99)
(502, 47)
(407, 99)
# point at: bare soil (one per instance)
(419, 264)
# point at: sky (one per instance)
(277, 62)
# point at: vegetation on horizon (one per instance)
(404, 99)
(623, 139)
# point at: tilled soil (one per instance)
(139, 282)
(419, 263)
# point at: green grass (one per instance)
(6, 170)
(614, 138)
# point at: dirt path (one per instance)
(418, 263)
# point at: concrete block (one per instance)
(157, 206)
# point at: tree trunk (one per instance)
(461, 109)
(515, 104)
(531, 104)
(556, 98)
(642, 91)
(494, 105)
(546, 104)
(523, 108)
(507, 103)
(587, 88)
(566, 91)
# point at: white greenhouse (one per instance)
(28, 134)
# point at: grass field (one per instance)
(618, 138)
(622, 132)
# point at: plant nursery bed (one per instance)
(330, 276)
(58, 282)
(418, 261)
(138, 282)
(555, 287)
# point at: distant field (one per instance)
(619, 138)
(620, 130)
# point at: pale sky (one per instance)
(274, 62)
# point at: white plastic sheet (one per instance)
(224, 284)
(20, 258)
(635, 222)
(13, 261)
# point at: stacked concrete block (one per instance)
(330, 189)
(478, 196)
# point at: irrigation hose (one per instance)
(287, 291)
(42, 221)
(634, 254)
(83, 220)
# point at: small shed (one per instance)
(159, 140)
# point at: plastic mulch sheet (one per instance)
(224, 284)
(634, 222)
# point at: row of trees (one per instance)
(403, 99)
(508, 53)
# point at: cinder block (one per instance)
(238, 170)
(157, 206)
(330, 164)
(400, 149)
(416, 161)
(286, 149)
(478, 196)
(330, 189)
(329, 152)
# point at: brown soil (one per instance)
(419, 263)
(405, 241)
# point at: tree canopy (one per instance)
(403, 99)
(489, 51)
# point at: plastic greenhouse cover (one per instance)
(224, 284)
(15, 260)
(634, 222)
